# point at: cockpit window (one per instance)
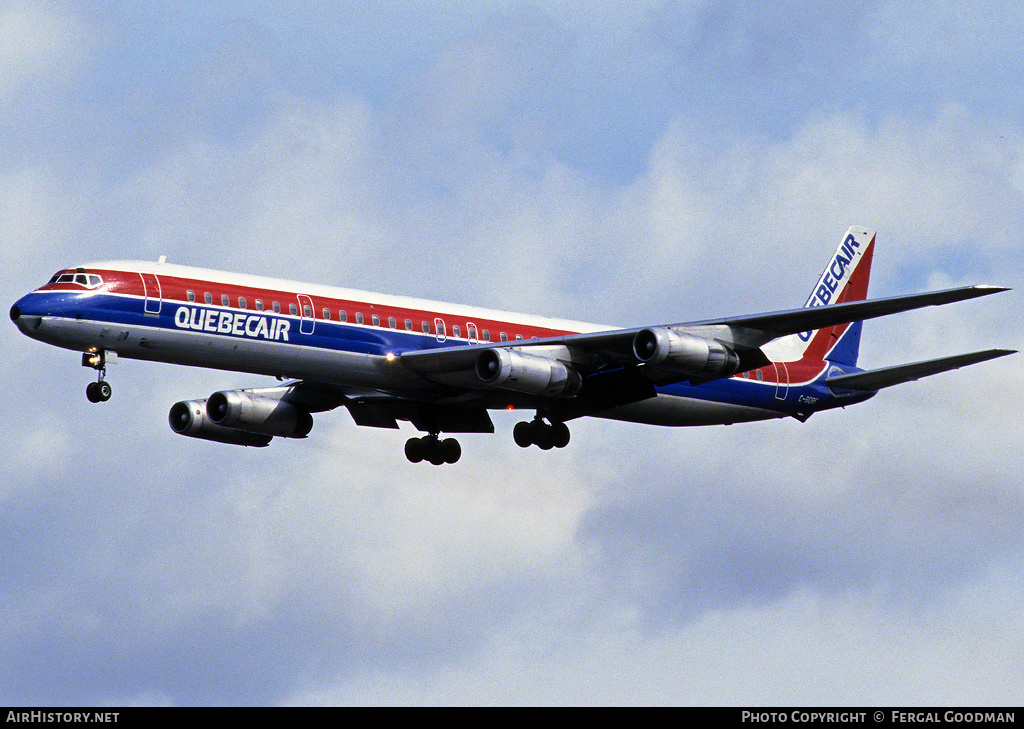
(89, 280)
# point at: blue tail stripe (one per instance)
(847, 349)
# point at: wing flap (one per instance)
(889, 376)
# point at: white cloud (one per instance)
(795, 652)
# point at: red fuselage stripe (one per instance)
(174, 290)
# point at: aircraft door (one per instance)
(153, 294)
(782, 378)
(306, 318)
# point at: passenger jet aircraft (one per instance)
(443, 366)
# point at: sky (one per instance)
(624, 163)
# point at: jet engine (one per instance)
(528, 373)
(188, 417)
(674, 350)
(254, 413)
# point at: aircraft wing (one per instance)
(759, 329)
(594, 352)
(889, 376)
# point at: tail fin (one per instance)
(844, 279)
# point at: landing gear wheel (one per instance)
(450, 450)
(429, 448)
(415, 450)
(560, 435)
(523, 435)
(537, 432)
(98, 391)
(434, 457)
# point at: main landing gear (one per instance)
(99, 391)
(541, 434)
(431, 448)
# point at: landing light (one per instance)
(390, 356)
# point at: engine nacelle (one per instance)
(528, 373)
(188, 417)
(684, 352)
(258, 414)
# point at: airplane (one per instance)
(442, 367)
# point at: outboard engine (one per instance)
(188, 417)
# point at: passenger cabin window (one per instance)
(224, 300)
(503, 337)
(376, 320)
(342, 316)
(306, 311)
(259, 304)
(456, 332)
(519, 336)
(408, 325)
(391, 322)
(277, 307)
(191, 295)
(242, 303)
(487, 335)
(208, 297)
(359, 317)
(425, 326)
(293, 309)
(327, 313)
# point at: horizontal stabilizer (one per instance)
(889, 376)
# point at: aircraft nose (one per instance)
(22, 320)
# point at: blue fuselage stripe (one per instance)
(283, 330)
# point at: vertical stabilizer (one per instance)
(844, 279)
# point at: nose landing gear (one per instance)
(99, 391)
